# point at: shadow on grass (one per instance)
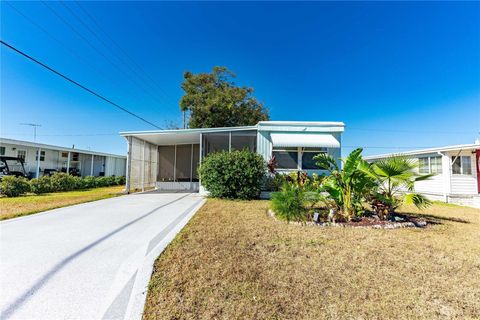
(431, 219)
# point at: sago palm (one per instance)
(395, 179)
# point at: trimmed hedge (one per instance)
(13, 187)
(233, 175)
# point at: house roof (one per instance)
(57, 148)
(186, 136)
(425, 151)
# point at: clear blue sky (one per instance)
(400, 75)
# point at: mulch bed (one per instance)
(404, 221)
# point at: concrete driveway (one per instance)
(88, 261)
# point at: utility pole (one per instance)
(34, 125)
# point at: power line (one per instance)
(96, 35)
(73, 52)
(78, 84)
(123, 51)
(411, 131)
(96, 49)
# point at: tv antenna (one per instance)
(34, 125)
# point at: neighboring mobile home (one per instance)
(168, 159)
(456, 169)
(55, 158)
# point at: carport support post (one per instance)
(68, 163)
(37, 172)
(128, 164)
(143, 166)
(91, 166)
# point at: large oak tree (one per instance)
(213, 100)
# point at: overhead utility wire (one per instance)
(78, 84)
(123, 51)
(73, 52)
(113, 52)
(95, 48)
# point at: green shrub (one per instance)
(288, 203)
(64, 182)
(120, 180)
(111, 181)
(102, 181)
(233, 175)
(89, 182)
(41, 185)
(14, 186)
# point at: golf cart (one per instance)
(12, 166)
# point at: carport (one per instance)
(168, 159)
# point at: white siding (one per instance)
(464, 184)
(433, 185)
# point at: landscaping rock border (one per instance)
(384, 225)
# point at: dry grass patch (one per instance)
(25, 205)
(234, 262)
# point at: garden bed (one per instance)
(402, 221)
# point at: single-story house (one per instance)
(55, 158)
(168, 159)
(456, 169)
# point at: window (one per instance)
(423, 165)
(466, 165)
(286, 158)
(2, 151)
(430, 165)
(307, 157)
(64, 154)
(74, 156)
(436, 164)
(42, 156)
(22, 154)
(462, 165)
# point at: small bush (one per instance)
(64, 182)
(233, 175)
(41, 185)
(288, 203)
(120, 180)
(102, 181)
(14, 186)
(89, 182)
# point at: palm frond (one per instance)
(418, 200)
(325, 162)
(351, 162)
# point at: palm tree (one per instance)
(395, 178)
(348, 186)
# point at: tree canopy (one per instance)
(214, 100)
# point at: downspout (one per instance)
(447, 179)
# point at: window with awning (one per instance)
(307, 140)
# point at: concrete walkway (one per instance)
(88, 261)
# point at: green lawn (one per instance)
(232, 261)
(25, 205)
